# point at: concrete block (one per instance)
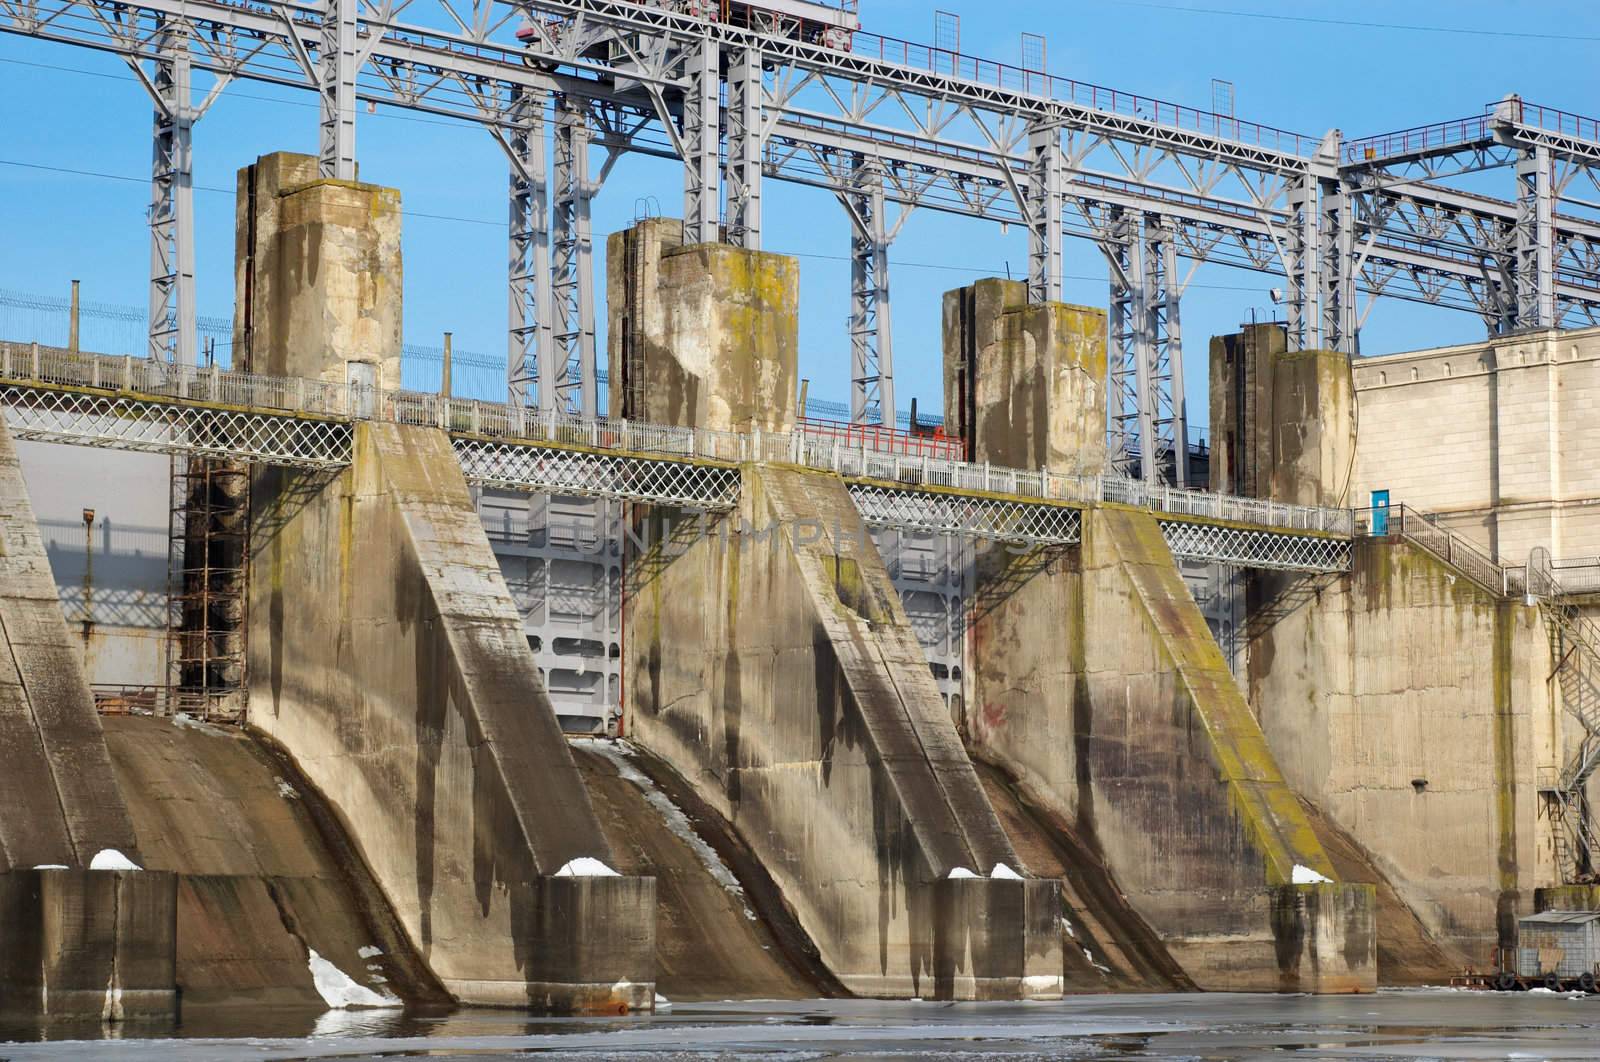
(88, 944)
(594, 946)
(1025, 384)
(1326, 937)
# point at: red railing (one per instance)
(884, 440)
(1419, 140)
(1552, 120)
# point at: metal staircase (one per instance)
(1575, 647)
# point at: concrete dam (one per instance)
(956, 715)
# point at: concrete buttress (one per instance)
(387, 657)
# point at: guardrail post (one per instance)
(216, 381)
(127, 372)
(477, 418)
(34, 346)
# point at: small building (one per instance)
(1565, 943)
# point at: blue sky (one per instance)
(79, 110)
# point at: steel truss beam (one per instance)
(548, 469)
(166, 426)
(1248, 548)
(649, 79)
(977, 516)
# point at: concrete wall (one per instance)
(127, 602)
(1024, 385)
(1412, 707)
(387, 657)
(1098, 686)
(1496, 437)
(773, 666)
(704, 335)
(317, 273)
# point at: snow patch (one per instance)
(586, 867)
(961, 872)
(185, 721)
(1067, 925)
(111, 859)
(1002, 871)
(662, 1002)
(618, 753)
(287, 791)
(369, 952)
(1039, 984)
(51, 866)
(1306, 876)
(339, 992)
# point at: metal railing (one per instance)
(1425, 531)
(947, 63)
(865, 455)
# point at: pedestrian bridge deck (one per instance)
(128, 403)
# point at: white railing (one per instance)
(32, 364)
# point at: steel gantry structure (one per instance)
(888, 127)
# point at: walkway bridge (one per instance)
(126, 403)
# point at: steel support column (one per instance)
(871, 334)
(1535, 234)
(1146, 408)
(338, 63)
(172, 309)
(746, 135)
(530, 346)
(1045, 203)
(1165, 331)
(1302, 241)
(1336, 269)
(702, 141)
(1126, 387)
(573, 349)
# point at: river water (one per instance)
(1412, 1024)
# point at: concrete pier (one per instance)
(1097, 685)
(1408, 703)
(770, 662)
(387, 657)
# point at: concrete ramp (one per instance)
(265, 877)
(771, 665)
(387, 657)
(1100, 689)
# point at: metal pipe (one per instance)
(88, 578)
(72, 321)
